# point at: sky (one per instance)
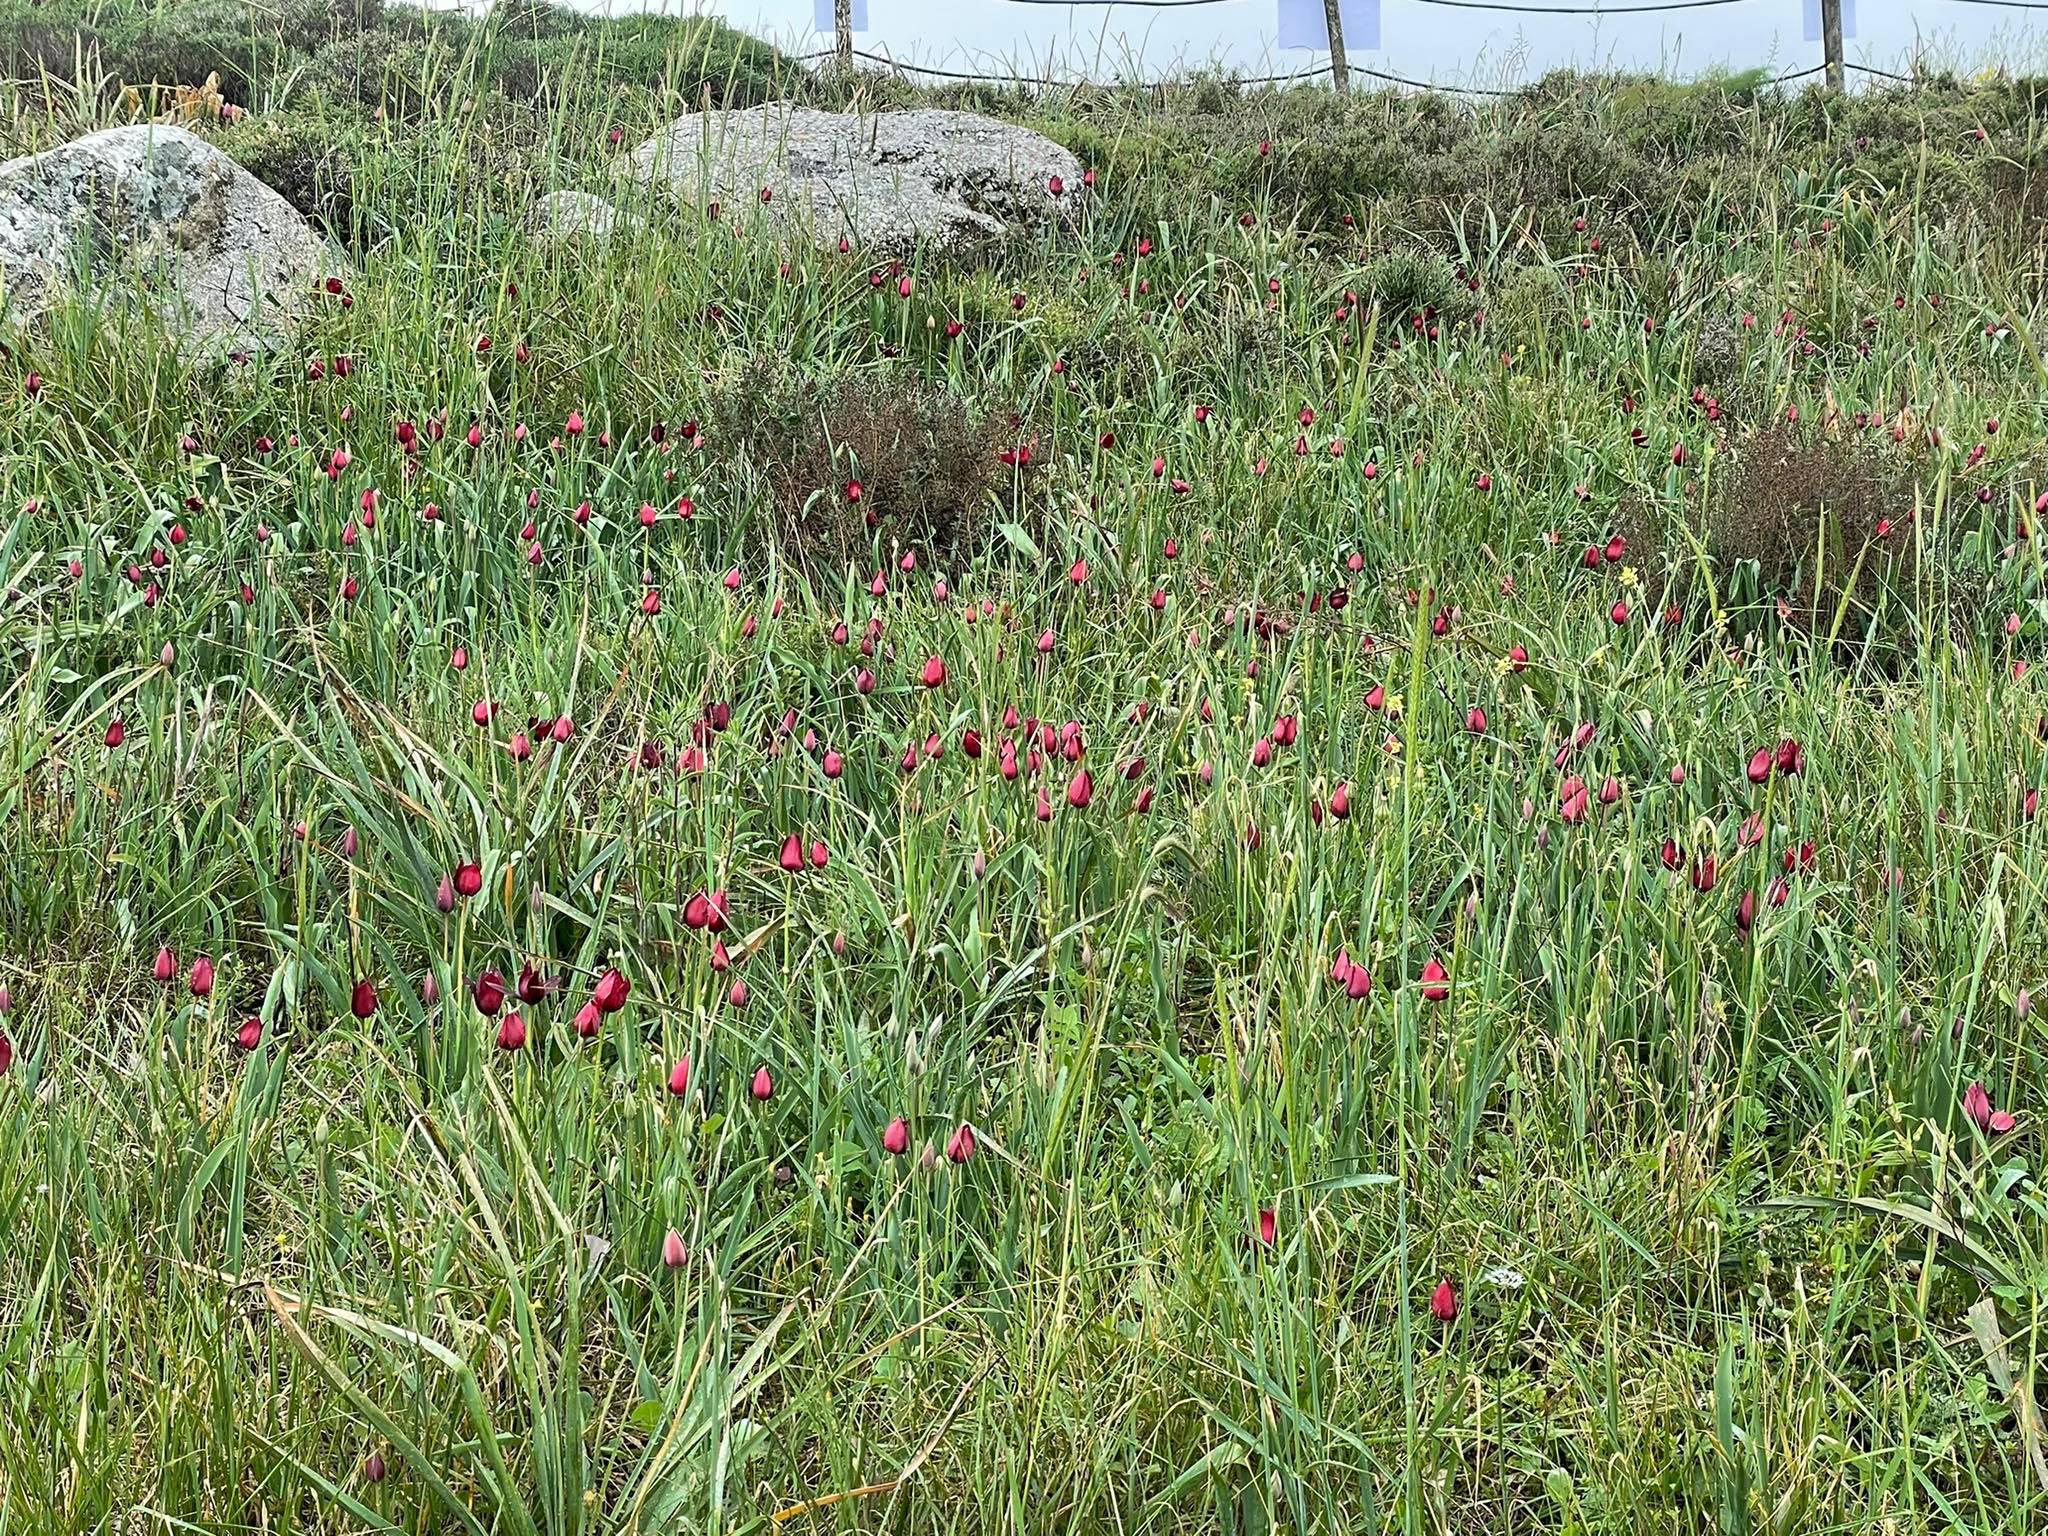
(1418, 39)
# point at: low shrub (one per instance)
(1806, 528)
(384, 56)
(928, 466)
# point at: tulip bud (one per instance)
(1443, 1302)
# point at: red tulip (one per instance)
(792, 854)
(1443, 1302)
(362, 1001)
(6, 1053)
(202, 977)
(1760, 765)
(1572, 799)
(611, 991)
(679, 1078)
(166, 965)
(587, 1020)
(512, 1033)
(533, 986)
(1977, 1105)
(934, 673)
(469, 879)
(117, 732)
(1268, 1224)
(1080, 790)
(674, 1254)
(896, 1137)
(250, 1035)
(488, 993)
(763, 1087)
(1435, 981)
(1475, 720)
(1340, 801)
(1357, 982)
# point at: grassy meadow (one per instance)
(1349, 846)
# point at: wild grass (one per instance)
(1314, 561)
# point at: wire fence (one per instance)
(1324, 71)
(1299, 76)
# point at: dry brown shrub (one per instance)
(929, 465)
(1793, 528)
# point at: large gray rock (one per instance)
(887, 181)
(227, 262)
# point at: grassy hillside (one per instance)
(1352, 847)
